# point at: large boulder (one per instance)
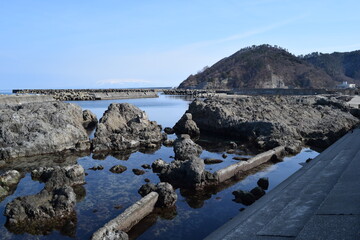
(125, 126)
(187, 126)
(39, 128)
(185, 148)
(270, 121)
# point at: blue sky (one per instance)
(118, 44)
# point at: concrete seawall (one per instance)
(22, 99)
(131, 216)
(232, 170)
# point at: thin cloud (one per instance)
(120, 81)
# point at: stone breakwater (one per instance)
(91, 94)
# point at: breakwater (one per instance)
(91, 94)
(257, 91)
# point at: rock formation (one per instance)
(272, 121)
(167, 194)
(41, 128)
(185, 148)
(125, 126)
(187, 126)
(90, 119)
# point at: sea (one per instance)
(106, 195)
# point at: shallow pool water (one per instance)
(105, 194)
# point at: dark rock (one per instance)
(241, 158)
(185, 148)
(146, 189)
(158, 165)
(244, 197)
(224, 155)
(187, 126)
(146, 166)
(90, 119)
(98, 167)
(118, 169)
(230, 151)
(138, 171)
(233, 145)
(212, 161)
(125, 126)
(147, 180)
(263, 183)
(169, 130)
(258, 192)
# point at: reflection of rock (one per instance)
(41, 128)
(185, 148)
(187, 126)
(212, 161)
(258, 192)
(244, 197)
(124, 126)
(167, 195)
(90, 119)
(8, 182)
(168, 143)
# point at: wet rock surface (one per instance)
(112, 235)
(167, 195)
(52, 207)
(8, 182)
(40, 128)
(124, 126)
(187, 126)
(270, 121)
(185, 148)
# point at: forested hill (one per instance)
(268, 66)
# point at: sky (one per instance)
(157, 43)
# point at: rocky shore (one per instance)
(268, 122)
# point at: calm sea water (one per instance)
(106, 195)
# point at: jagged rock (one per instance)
(124, 126)
(271, 121)
(40, 128)
(245, 197)
(138, 171)
(118, 169)
(212, 161)
(263, 183)
(258, 192)
(42, 209)
(158, 165)
(186, 126)
(8, 182)
(188, 173)
(90, 119)
(185, 148)
(167, 194)
(60, 176)
(95, 168)
(146, 166)
(169, 130)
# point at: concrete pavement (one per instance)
(320, 201)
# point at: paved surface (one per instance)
(320, 201)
